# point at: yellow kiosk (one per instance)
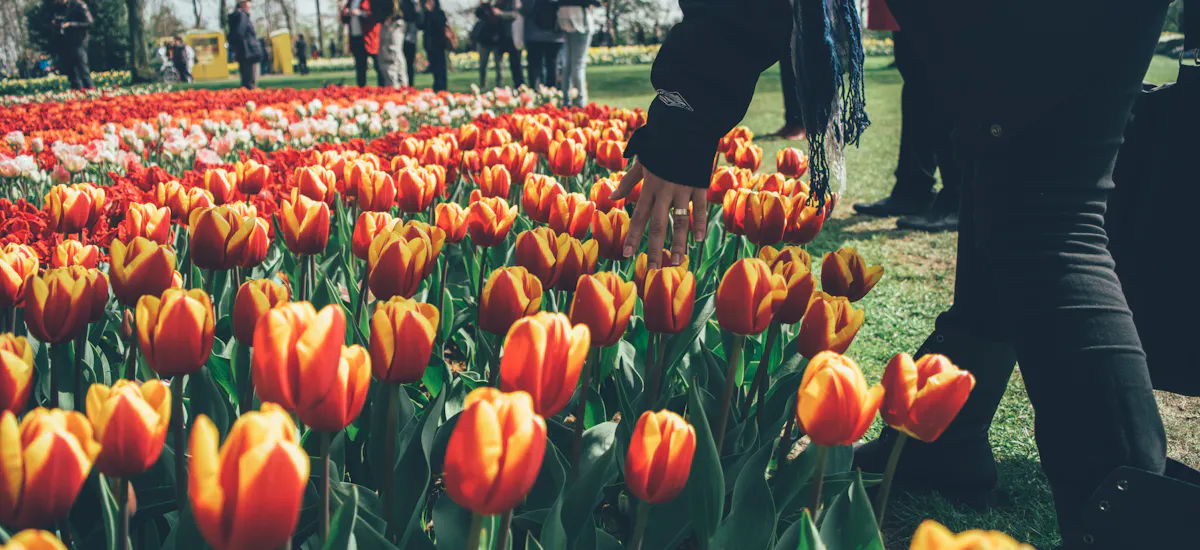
(281, 46)
(210, 55)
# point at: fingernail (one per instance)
(676, 259)
(628, 251)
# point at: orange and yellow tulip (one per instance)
(130, 421)
(804, 222)
(247, 495)
(764, 218)
(34, 539)
(775, 183)
(251, 176)
(18, 262)
(415, 189)
(489, 220)
(495, 451)
(369, 226)
(668, 299)
(296, 351)
(175, 331)
(599, 193)
(181, 200)
(509, 294)
(222, 184)
(749, 296)
(16, 373)
(611, 154)
(785, 254)
(402, 336)
(543, 356)
(572, 214)
(396, 264)
(539, 197)
(603, 302)
(790, 162)
(343, 400)
(45, 460)
(353, 173)
(923, 397)
(468, 136)
(452, 219)
(494, 181)
(143, 267)
(537, 251)
(74, 207)
(730, 140)
(845, 273)
(317, 183)
(253, 301)
(566, 157)
(800, 285)
(305, 225)
(146, 220)
(733, 210)
(932, 535)
(609, 231)
(377, 192)
(725, 179)
(747, 155)
(830, 323)
(71, 252)
(573, 260)
(59, 303)
(833, 404)
(495, 137)
(660, 454)
(222, 238)
(537, 138)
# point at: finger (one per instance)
(659, 218)
(679, 224)
(637, 223)
(699, 214)
(628, 182)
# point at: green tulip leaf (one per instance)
(751, 521)
(849, 523)
(596, 470)
(341, 527)
(802, 535)
(705, 489)
(411, 473)
(453, 522)
(679, 345)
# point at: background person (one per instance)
(436, 42)
(391, 63)
(302, 54)
(412, 26)
(543, 41)
(244, 44)
(575, 19)
(364, 38)
(183, 57)
(73, 19)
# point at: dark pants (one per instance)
(358, 48)
(302, 61)
(74, 62)
(1033, 269)
(437, 66)
(793, 113)
(249, 73)
(514, 63)
(410, 59)
(926, 123)
(543, 63)
(184, 74)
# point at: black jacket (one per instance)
(705, 75)
(434, 25)
(243, 41)
(77, 14)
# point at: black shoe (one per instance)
(960, 464)
(892, 206)
(931, 223)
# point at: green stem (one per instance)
(363, 292)
(80, 392)
(123, 508)
(55, 370)
(818, 478)
(502, 531)
(785, 441)
(246, 401)
(389, 452)
(479, 304)
(761, 374)
(585, 386)
(639, 526)
(475, 532)
(326, 444)
(180, 442)
(655, 369)
(735, 360)
(312, 277)
(132, 356)
(889, 473)
(439, 297)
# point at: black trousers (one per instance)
(410, 59)
(184, 74)
(793, 113)
(249, 73)
(437, 66)
(358, 48)
(543, 62)
(74, 62)
(505, 46)
(302, 61)
(926, 123)
(1033, 268)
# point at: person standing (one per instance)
(333, 49)
(436, 42)
(244, 44)
(302, 54)
(575, 19)
(73, 19)
(364, 38)
(486, 34)
(412, 26)
(391, 65)
(543, 40)
(793, 114)
(506, 12)
(182, 57)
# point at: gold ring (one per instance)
(680, 212)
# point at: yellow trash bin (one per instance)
(281, 46)
(210, 55)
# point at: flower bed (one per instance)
(427, 336)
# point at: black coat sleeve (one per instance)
(705, 75)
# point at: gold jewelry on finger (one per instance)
(680, 212)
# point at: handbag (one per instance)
(1150, 220)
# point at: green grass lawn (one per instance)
(900, 311)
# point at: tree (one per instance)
(108, 38)
(139, 58)
(320, 28)
(164, 22)
(223, 17)
(196, 11)
(287, 16)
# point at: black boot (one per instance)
(941, 216)
(894, 206)
(960, 464)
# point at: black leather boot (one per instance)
(960, 464)
(894, 206)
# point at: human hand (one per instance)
(662, 203)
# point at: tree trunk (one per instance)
(139, 58)
(222, 17)
(196, 11)
(287, 17)
(320, 29)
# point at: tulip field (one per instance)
(364, 318)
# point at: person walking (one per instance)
(302, 54)
(392, 68)
(333, 49)
(925, 142)
(543, 41)
(72, 19)
(576, 20)
(244, 44)
(183, 57)
(436, 42)
(412, 25)
(364, 37)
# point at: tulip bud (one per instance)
(609, 230)
(175, 331)
(353, 174)
(668, 299)
(833, 404)
(305, 225)
(566, 157)
(845, 273)
(45, 461)
(59, 303)
(922, 398)
(221, 238)
(18, 262)
(804, 221)
(538, 138)
(539, 197)
(16, 373)
(489, 221)
(603, 303)
(495, 451)
(659, 459)
(343, 400)
(369, 226)
(396, 265)
(495, 137)
(141, 268)
(509, 294)
(642, 265)
(543, 356)
(402, 336)
(749, 297)
(222, 184)
(601, 190)
(74, 207)
(130, 422)
(494, 181)
(537, 251)
(800, 286)
(775, 183)
(764, 217)
(787, 254)
(932, 535)
(415, 189)
(790, 162)
(572, 214)
(452, 219)
(416, 229)
(748, 156)
(468, 136)
(574, 259)
(248, 494)
(377, 192)
(296, 350)
(611, 154)
(830, 323)
(252, 177)
(253, 301)
(730, 140)
(733, 210)
(34, 539)
(71, 252)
